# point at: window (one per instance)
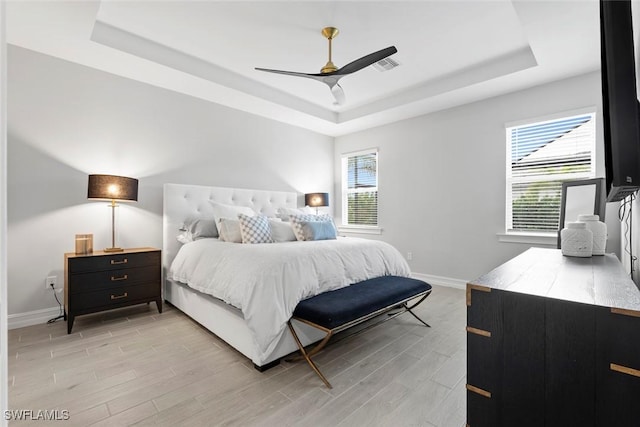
(540, 156)
(360, 188)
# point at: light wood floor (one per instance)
(137, 367)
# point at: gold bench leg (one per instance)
(307, 356)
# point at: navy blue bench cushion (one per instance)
(335, 308)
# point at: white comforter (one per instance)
(267, 281)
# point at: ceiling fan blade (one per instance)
(288, 73)
(365, 61)
(331, 78)
(338, 94)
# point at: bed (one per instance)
(241, 327)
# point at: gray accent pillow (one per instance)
(197, 228)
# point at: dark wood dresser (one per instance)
(553, 341)
(103, 281)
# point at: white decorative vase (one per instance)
(599, 230)
(576, 240)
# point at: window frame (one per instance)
(358, 228)
(540, 237)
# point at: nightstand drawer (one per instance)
(113, 297)
(105, 280)
(112, 279)
(113, 262)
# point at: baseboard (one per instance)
(37, 317)
(30, 318)
(441, 281)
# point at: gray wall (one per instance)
(66, 121)
(442, 177)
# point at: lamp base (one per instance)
(114, 250)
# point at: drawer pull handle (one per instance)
(115, 279)
(624, 370)
(471, 287)
(119, 296)
(479, 391)
(479, 332)
(114, 262)
(625, 312)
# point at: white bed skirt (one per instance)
(227, 323)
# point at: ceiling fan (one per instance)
(330, 74)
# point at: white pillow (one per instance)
(255, 229)
(230, 230)
(281, 231)
(299, 221)
(284, 213)
(222, 211)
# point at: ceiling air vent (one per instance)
(386, 64)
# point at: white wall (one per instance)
(66, 121)
(442, 177)
(3, 216)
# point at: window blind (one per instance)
(360, 188)
(541, 156)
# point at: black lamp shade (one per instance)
(112, 187)
(315, 200)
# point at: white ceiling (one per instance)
(451, 52)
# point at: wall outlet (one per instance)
(51, 280)
(409, 256)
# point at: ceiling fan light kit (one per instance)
(330, 74)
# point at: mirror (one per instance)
(581, 197)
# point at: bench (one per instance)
(337, 310)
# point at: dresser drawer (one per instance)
(112, 279)
(616, 401)
(484, 308)
(113, 262)
(482, 411)
(113, 297)
(619, 337)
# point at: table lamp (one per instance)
(113, 188)
(316, 200)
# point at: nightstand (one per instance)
(107, 280)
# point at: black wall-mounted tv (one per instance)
(620, 106)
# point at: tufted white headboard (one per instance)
(182, 202)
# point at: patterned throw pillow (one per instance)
(299, 222)
(255, 229)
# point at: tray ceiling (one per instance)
(450, 52)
